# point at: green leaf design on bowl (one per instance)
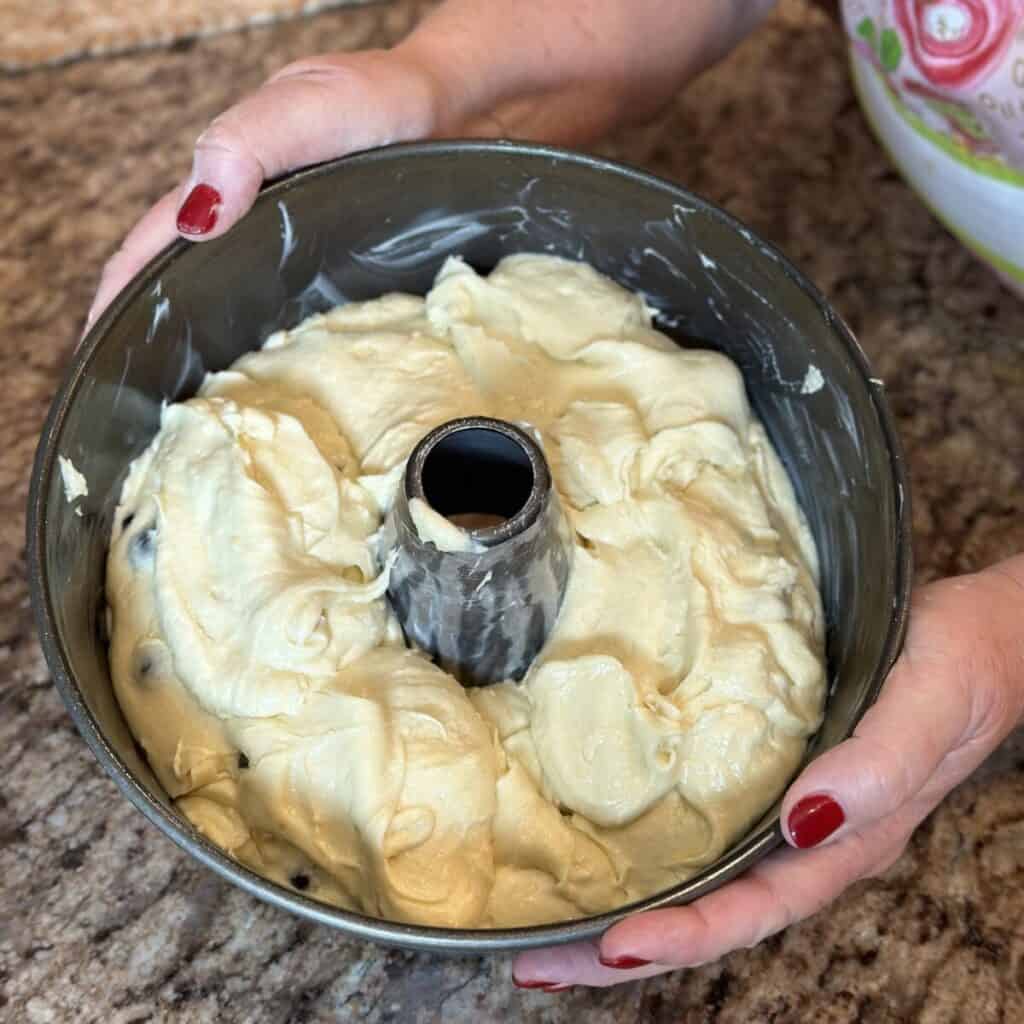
(866, 30)
(890, 50)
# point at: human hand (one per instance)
(309, 111)
(563, 73)
(955, 693)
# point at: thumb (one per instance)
(310, 111)
(943, 709)
(895, 750)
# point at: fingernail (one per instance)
(622, 963)
(198, 214)
(814, 819)
(555, 988)
(547, 986)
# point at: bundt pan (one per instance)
(385, 220)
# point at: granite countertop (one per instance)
(103, 919)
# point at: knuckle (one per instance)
(229, 136)
(996, 708)
(324, 79)
(960, 640)
(869, 853)
(307, 67)
(883, 863)
(782, 915)
(885, 776)
(220, 133)
(987, 650)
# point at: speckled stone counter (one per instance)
(103, 919)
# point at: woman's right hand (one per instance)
(563, 73)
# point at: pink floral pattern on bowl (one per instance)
(957, 65)
(942, 83)
(956, 42)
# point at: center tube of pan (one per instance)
(484, 612)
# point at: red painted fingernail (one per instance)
(622, 963)
(544, 986)
(814, 819)
(198, 214)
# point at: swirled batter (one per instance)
(257, 661)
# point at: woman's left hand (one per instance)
(955, 693)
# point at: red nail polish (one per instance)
(814, 819)
(198, 214)
(544, 986)
(623, 963)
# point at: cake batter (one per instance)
(258, 663)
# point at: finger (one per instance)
(310, 111)
(944, 707)
(577, 963)
(787, 887)
(894, 752)
(155, 231)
